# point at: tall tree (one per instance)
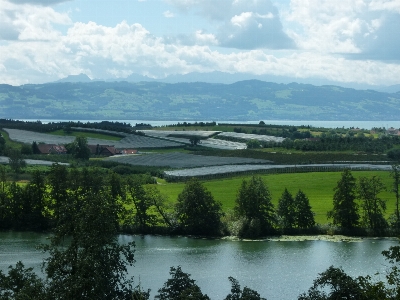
(345, 209)
(373, 206)
(395, 174)
(197, 211)
(143, 219)
(58, 185)
(254, 203)
(16, 162)
(79, 148)
(304, 217)
(34, 203)
(286, 210)
(85, 259)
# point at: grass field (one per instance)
(87, 135)
(317, 186)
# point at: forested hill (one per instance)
(244, 100)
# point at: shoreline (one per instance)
(302, 238)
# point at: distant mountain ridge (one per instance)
(243, 100)
(229, 78)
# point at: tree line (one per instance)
(357, 207)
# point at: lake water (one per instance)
(326, 124)
(276, 269)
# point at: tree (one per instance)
(35, 148)
(334, 284)
(141, 204)
(394, 154)
(197, 211)
(253, 144)
(304, 217)
(15, 160)
(34, 203)
(159, 201)
(85, 259)
(21, 283)
(194, 140)
(254, 203)
(395, 174)
(393, 277)
(345, 209)
(79, 148)
(2, 144)
(373, 206)
(286, 210)
(245, 294)
(58, 185)
(180, 287)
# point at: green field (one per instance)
(317, 186)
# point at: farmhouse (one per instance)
(51, 149)
(103, 150)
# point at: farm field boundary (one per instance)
(214, 172)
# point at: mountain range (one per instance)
(151, 100)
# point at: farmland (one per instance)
(317, 186)
(182, 160)
(137, 141)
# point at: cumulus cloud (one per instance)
(27, 22)
(357, 29)
(241, 24)
(32, 51)
(103, 52)
(384, 42)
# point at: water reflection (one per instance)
(278, 270)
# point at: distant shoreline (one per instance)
(302, 238)
(325, 124)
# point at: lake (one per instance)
(325, 124)
(276, 269)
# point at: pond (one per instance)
(276, 269)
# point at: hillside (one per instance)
(244, 100)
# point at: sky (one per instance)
(345, 41)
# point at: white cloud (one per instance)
(241, 24)
(102, 52)
(27, 22)
(32, 51)
(168, 14)
(359, 28)
(242, 20)
(385, 5)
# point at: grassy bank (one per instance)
(317, 186)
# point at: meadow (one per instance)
(318, 186)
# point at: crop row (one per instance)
(247, 136)
(229, 170)
(182, 137)
(130, 141)
(182, 160)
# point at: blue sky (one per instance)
(344, 41)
